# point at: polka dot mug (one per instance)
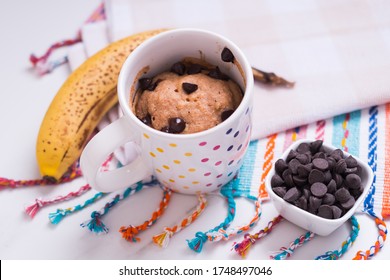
(187, 163)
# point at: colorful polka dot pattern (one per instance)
(207, 165)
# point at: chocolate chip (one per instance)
(303, 148)
(292, 195)
(303, 158)
(342, 195)
(336, 212)
(332, 186)
(276, 181)
(353, 170)
(176, 125)
(147, 120)
(280, 166)
(328, 177)
(340, 166)
(280, 191)
(356, 192)
(349, 203)
(328, 199)
(303, 170)
(189, 88)
(144, 83)
(315, 146)
(217, 74)
(292, 154)
(318, 189)
(320, 164)
(287, 177)
(306, 193)
(299, 181)
(179, 68)
(316, 176)
(226, 114)
(337, 154)
(301, 202)
(331, 162)
(325, 211)
(314, 203)
(293, 165)
(194, 69)
(320, 155)
(227, 55)
(351, 162)
(338, 179)
(353, 181)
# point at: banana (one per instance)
(79, 105)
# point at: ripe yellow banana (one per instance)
(79, 105)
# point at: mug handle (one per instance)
(100, 147)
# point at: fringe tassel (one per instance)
(249, 240)
(57, 216)
(73, 173)
(129, 233)
(95, 224)
(287, 252)
(365, 255)
(196, 244)
(39, 203)
(163, 238)
(41, 63)
(337, 254)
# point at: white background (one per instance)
(30, 27)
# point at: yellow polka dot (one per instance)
(173, 145)
(158, 170)
(182, 176)
(152, 154)
(146, 136)
(171, 180)
(177, 161)
(160, 150)
(188, 154)
(195, 182)
(186, 187)
(191, 170)
(166, 167)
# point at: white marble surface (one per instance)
(31, 26)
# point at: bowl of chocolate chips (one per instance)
(318, 186)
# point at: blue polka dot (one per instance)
(247, 111)
(231, 162)
(247, 128)
(239, 147)
(236, 134)
(230, 130)
(230, 174)
(229, 149)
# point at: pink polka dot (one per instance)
(209, 185)
(219, 176)
(204, 160)
(207, 174)
(202, 143)
(219, 185)
(216, 147)
(218, 163)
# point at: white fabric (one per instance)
(337, 52)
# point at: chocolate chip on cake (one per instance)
(176, 125)
(144, 83)
(226, 114)
(217, 74)
(179, 68)
(194, 69)
(189, 88)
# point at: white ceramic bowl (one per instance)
(305, 219)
